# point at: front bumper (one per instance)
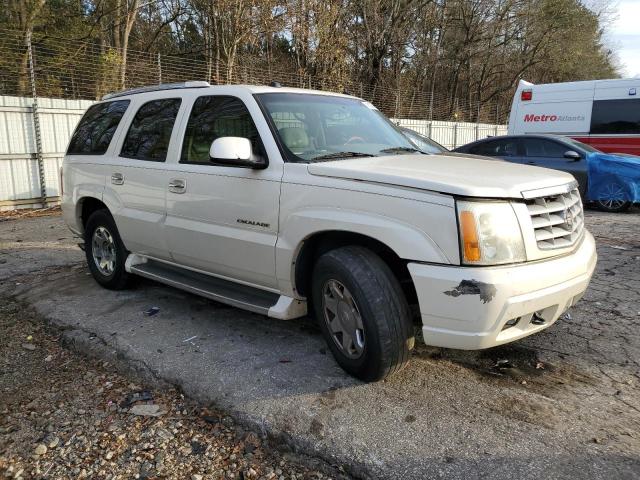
(469, 307)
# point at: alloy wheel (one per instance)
(103, 248)
(611, 196)
(343, 319)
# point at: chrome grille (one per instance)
(558, 220)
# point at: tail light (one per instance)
(526, 95)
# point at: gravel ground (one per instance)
(564, 403)
(66, 416)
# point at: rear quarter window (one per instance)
(616, 116)
(95, 130)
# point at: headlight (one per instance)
(489, 233)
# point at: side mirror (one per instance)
(235, 151)
(572, 155)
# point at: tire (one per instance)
(612, 193)
(374, 296)
(110, 272)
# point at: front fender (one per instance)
(407, 240)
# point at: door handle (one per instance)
(177, 185)
(117, 178)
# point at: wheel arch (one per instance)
(85, 206)
(318, 243)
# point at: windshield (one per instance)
(581, 145)
(425, 144)
(323, 127)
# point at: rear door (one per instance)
(136, 184)
(224, 220)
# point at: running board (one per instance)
(218, 289)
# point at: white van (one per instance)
(601, 113)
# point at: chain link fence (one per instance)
(84, 70)
(47, 83)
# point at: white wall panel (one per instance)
(19, 179)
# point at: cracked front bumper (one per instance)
(472, 308)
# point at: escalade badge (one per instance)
(252, 222)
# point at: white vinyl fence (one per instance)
(19, 175)
(452, 134)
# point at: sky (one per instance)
(624, 34)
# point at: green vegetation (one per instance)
(444, 59)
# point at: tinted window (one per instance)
(149, 134)
(616, 116)
(214, 117)
(497, 148)
(538, 147)
(95, 131)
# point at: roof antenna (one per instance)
(275, 84)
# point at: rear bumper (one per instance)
(468, 308)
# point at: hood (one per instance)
(457, 175)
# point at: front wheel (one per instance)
(363, 313)
(612, 197)
(106, 254)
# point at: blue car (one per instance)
(611, 181)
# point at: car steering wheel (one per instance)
(354, 139)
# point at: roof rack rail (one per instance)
(155, 88)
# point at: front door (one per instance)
(543, 152)
(223, 219)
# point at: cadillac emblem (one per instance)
(568, 219)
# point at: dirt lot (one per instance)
(64, 416)
(560, 404)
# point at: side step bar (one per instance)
(218, 289)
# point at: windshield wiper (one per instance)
(400, 149)
(333, 155)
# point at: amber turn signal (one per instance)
(470, 244)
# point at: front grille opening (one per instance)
(537, 319)
(511, 323)
(558, 220)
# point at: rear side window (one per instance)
(615, 116)
(497, 148)
(214, 117)
(150, 131)
(96, 128)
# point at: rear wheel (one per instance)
(612, 197)
(105, 252)
(362, 312)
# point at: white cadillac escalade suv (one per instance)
(280, 201)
